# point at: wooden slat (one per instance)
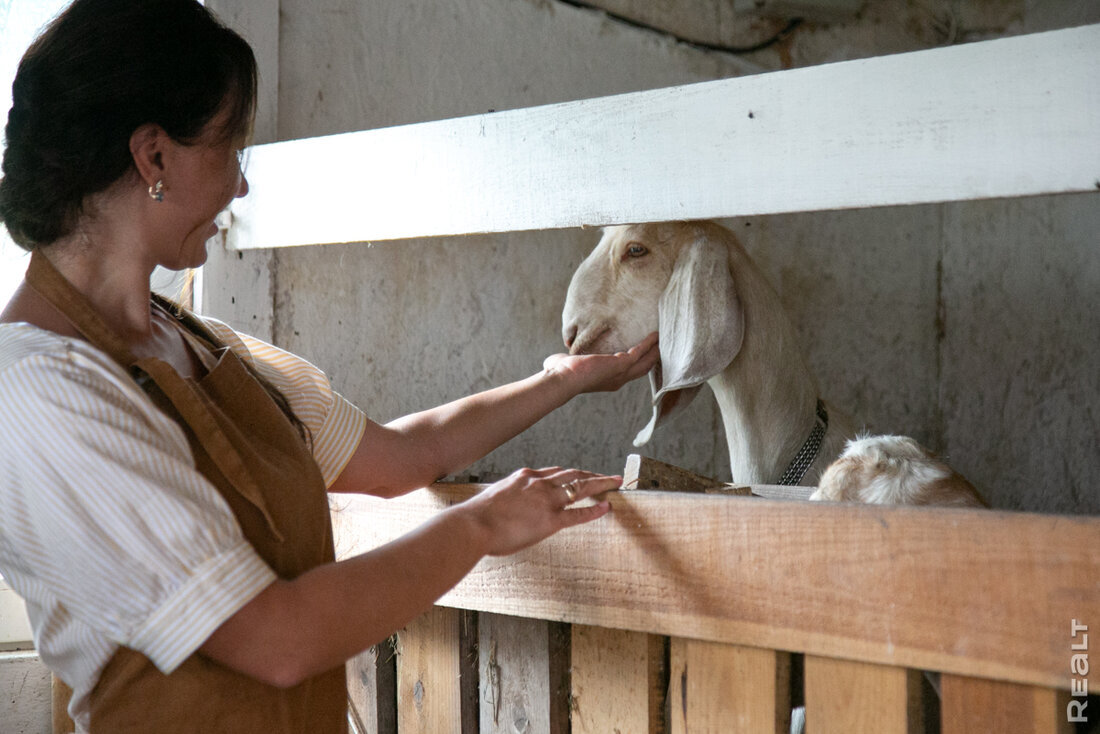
(975, 592)
(843, 696)
(428, 674)
(518, 676)
(372, 693)
(714, 687)
(920, 127)
(619, 681)
(977, 706)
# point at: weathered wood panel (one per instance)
(977, 706)
(372, 689)
(619, 681)
(429, 669)
(981, 593)
(899, 129)
(714, 687)
(521, 668)
(844, 696)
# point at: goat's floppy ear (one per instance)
(701, 326)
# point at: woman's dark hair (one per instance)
(99, 71)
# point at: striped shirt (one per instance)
(106, 529)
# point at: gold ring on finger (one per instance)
(570, 491)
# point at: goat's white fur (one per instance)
(722, 323)
(894, 470)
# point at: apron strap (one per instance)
(194, 407)
(44, 278)
(192, 404)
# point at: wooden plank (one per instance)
(844, 696)
(901, 129)
(428, 674)
(619, 681)
(642, 472)
(519, 678)
(714, 687)
(976, 706)
(372, 689)
(975, 592)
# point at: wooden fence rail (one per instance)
(684, 613)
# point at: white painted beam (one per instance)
(1004, 118)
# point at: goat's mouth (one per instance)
(591, 343)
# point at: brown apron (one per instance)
(248, 449)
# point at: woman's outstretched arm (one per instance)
(418, 449)
(295, 629)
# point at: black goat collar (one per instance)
(806, 455)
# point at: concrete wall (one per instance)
(969, 326)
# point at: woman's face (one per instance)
(202, 180)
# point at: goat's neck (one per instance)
(767, 395)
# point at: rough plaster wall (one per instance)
(969, 326)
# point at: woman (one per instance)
(162, 478)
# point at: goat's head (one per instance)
(670, 277)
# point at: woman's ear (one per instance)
(147, 145)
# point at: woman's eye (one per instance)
(636, 250)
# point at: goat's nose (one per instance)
(569, 334)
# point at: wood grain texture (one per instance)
(731, 689)
(843, 696)
(372, 693)
(975, 592)
(517, 689)
(976, 706)
(619, 681)
(642, 472)
(428, 674)
(901, 129)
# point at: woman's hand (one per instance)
(533, 504)
(605, 372)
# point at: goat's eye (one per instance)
(636, 250)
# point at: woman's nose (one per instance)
(242, 189)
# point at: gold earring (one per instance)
(156, 192)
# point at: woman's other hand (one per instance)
(532, 504)
(605, 372)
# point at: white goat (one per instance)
(722, 323)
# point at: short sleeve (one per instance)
(103, 513)
(335, 424)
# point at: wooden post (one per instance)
(844, 696)
(619, 681)
(976, 705)
(714, 687)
